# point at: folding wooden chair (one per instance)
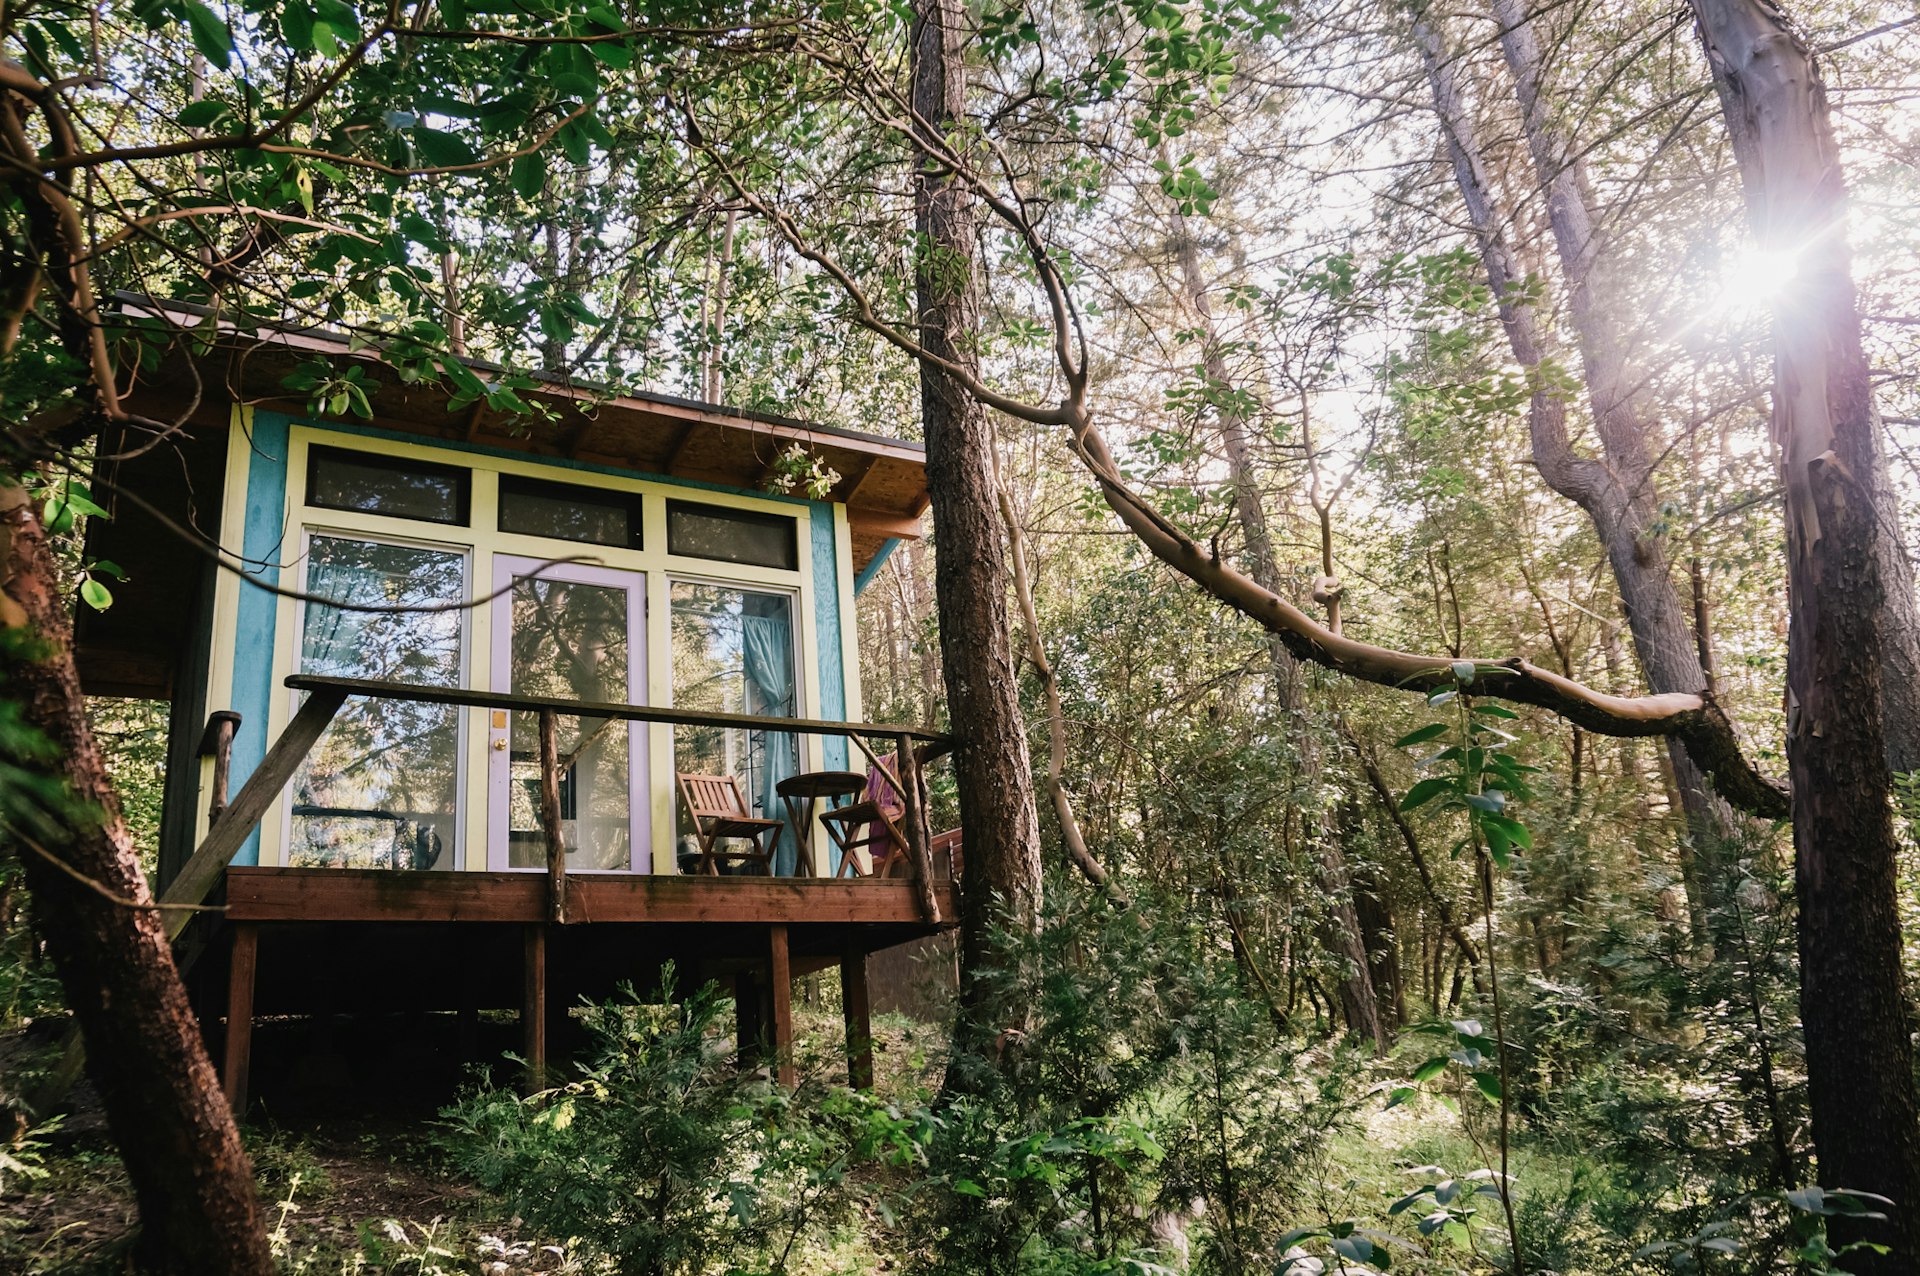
(872, 824)
(719, 814)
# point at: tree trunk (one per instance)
(1858, 1028)
(999, 824)
(1618, 494)
(198, 1209)
(1359, 996)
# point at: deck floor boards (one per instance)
(382, 895)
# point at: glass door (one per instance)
(733, 653)
(568, 632)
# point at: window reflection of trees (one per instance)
(733, 653)
(379, 789)
(569, 641)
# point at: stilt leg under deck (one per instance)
(858, 1010)
(533, 1008)
(748, 1020)
(246, 960)
(781, 981)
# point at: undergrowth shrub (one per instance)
(663, 1158)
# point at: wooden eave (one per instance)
(882, 480)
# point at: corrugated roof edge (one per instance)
(135, 301)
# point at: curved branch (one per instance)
(1696, 719)
(1071, 835)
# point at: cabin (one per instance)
(473, 712)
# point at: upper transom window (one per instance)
(567, 512)
(398, 487)
(733, 536)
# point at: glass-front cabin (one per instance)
(617, 551)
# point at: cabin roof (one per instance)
(132, 648)
(883, 481)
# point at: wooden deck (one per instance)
(380, 895)
(322, 941)
(319, 941)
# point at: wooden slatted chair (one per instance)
(872, 824)
(720, 818)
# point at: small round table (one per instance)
(802, 793)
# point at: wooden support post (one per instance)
(913, 823)
(217, 743)
(780, 981)
(533, 1007)
(550, 815)
(857, 1009)
(209, 863)
(246, 961)
(748, 1021)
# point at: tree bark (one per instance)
(1343, 933)
(1858, 1028)
(998, 819)
(198, 1208)
(1618, 494)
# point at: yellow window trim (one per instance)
(481, 540)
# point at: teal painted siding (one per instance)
(826, 627)
(263, 538)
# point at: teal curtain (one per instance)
(767, 642)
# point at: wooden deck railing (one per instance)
(236, 820)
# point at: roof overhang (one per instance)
(883, 481)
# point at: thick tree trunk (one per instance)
(198, 1209)
(1866, 1129)
(1899, 625)
(999, 824)
(1343, 933)
(1618, 493)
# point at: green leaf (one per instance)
(95, 595)
(1430, 1069)
(1519, 834)
(296, 23)
(443, 150)
(530, 175)
(1495, 711)
(211, 35)
(1489, 1083)
(1425, 791)
(1463, 671)
(1420, 736)
(612, 53)
(204, 113)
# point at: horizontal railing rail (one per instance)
(914, 747)
(938, 742)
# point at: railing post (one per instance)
(550, 815)
(913, 824)
(217, 743)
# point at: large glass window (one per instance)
(380, 788)
(568, 640)
(733, 536)
(395, 486)
(733, 653)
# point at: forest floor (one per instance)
(344, 1190)
(360, 1194)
